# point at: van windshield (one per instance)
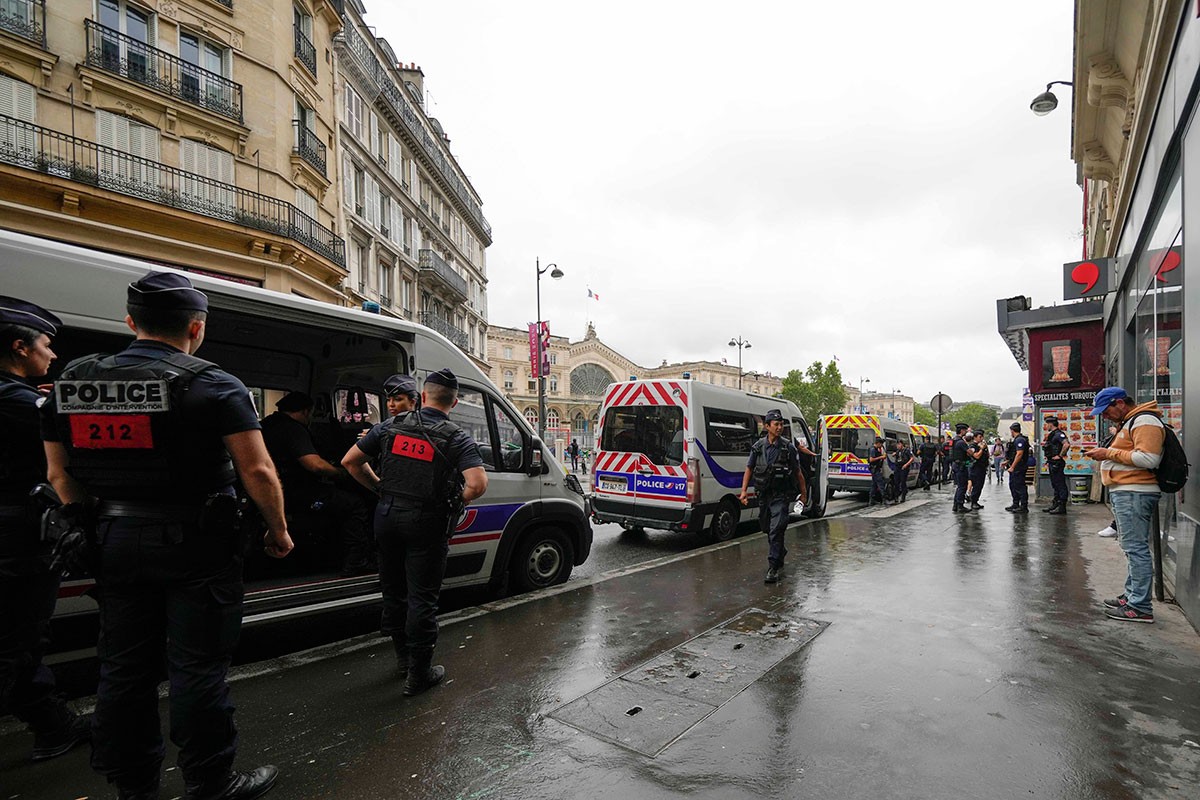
(852, 440)
(654, 431)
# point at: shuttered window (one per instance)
(306, 203)
(137, 172)
(19, 101)
(212, 196)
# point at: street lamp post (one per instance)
(897, 413)
(862, 408)
(555, 273)
(740, 344)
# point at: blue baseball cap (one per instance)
(1105, 398)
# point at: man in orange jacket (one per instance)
(1127, 468)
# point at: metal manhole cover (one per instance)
(652, 705)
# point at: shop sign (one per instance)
(1087, 278)
(1078, 396)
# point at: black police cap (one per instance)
(167, 291)
(1016, 426)
(294, 401)
(14, 311)
(774, 415)
(962, 426)
(443, 377)
(1053, 421)
(400, 384)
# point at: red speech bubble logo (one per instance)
(1170, 262)
(1086, 275)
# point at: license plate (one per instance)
(614, 484)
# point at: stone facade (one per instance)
(164, 129)
(217, 135)
(579, 373)
(415, 233)
(883, 404)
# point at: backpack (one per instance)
(1172, 470)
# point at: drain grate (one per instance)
(652, 705)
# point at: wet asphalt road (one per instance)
(962, 658)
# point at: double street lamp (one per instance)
(555, 273)
(862, 407)
(741, 344)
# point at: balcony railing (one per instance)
(308, 146)
(430, 263)
(353, 45)
(305, 50)
(25, 18)
(33, 147)
(113, 51)
(445, 328)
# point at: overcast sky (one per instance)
(821, 178)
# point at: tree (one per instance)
(817, 390)
(979, 417)
(923, 416)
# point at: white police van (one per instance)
(671, 455)
(528, 531)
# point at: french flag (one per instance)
(593, 295)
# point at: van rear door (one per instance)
(641, 458)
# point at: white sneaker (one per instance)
(1108, 533)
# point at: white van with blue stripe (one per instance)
(672, 454)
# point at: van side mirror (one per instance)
(534, 458)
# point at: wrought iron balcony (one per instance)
(305, 50)
(25, 18)
(431, 264)
(445, 328)
(353, 46)
(113, 51)
(308, 146)
(60, 155)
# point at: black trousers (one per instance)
(1016, 486)
(979, 476)
(925, 475)
(773, 521)
(879, 486)
(1058, 479)
(27, 596)
(961, 476)
(167, 589)
(413, 544)
(900, 476)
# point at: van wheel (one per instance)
(725, 521)
(543, 558)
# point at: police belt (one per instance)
(161, 511)
(401, 501)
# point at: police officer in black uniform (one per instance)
(1054, 451)
(903, 459)
(429, 468)
(979, 464)
(774, 465)
(28, 588)
(876, 462)
(1015, 458)
(959, 467)
(401, 394)
(928, 452)
(143, 447)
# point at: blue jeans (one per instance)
(1134, 512)
(997, 465)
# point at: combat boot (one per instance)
(958, 509)
(146, 791)
(1013, 507)
(401, 658)
(58, 730)
(1059, 510)
(1051, 509)
(1021, 510)
(422, 676)
(235, 785)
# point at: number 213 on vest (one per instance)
(412, 447)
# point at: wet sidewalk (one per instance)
(916, 654)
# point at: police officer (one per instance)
(774, 464)
(1014, 463)
(876, 462)
(959, 456)
(429, 468)
(903, 458)
(144, 445)
(978, 465)
(928, 451)
(401, 393)
(28, 588)
(1054, 451)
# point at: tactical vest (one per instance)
(124, 429)
(1054, 444)
(777, 477)
(415, 464)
